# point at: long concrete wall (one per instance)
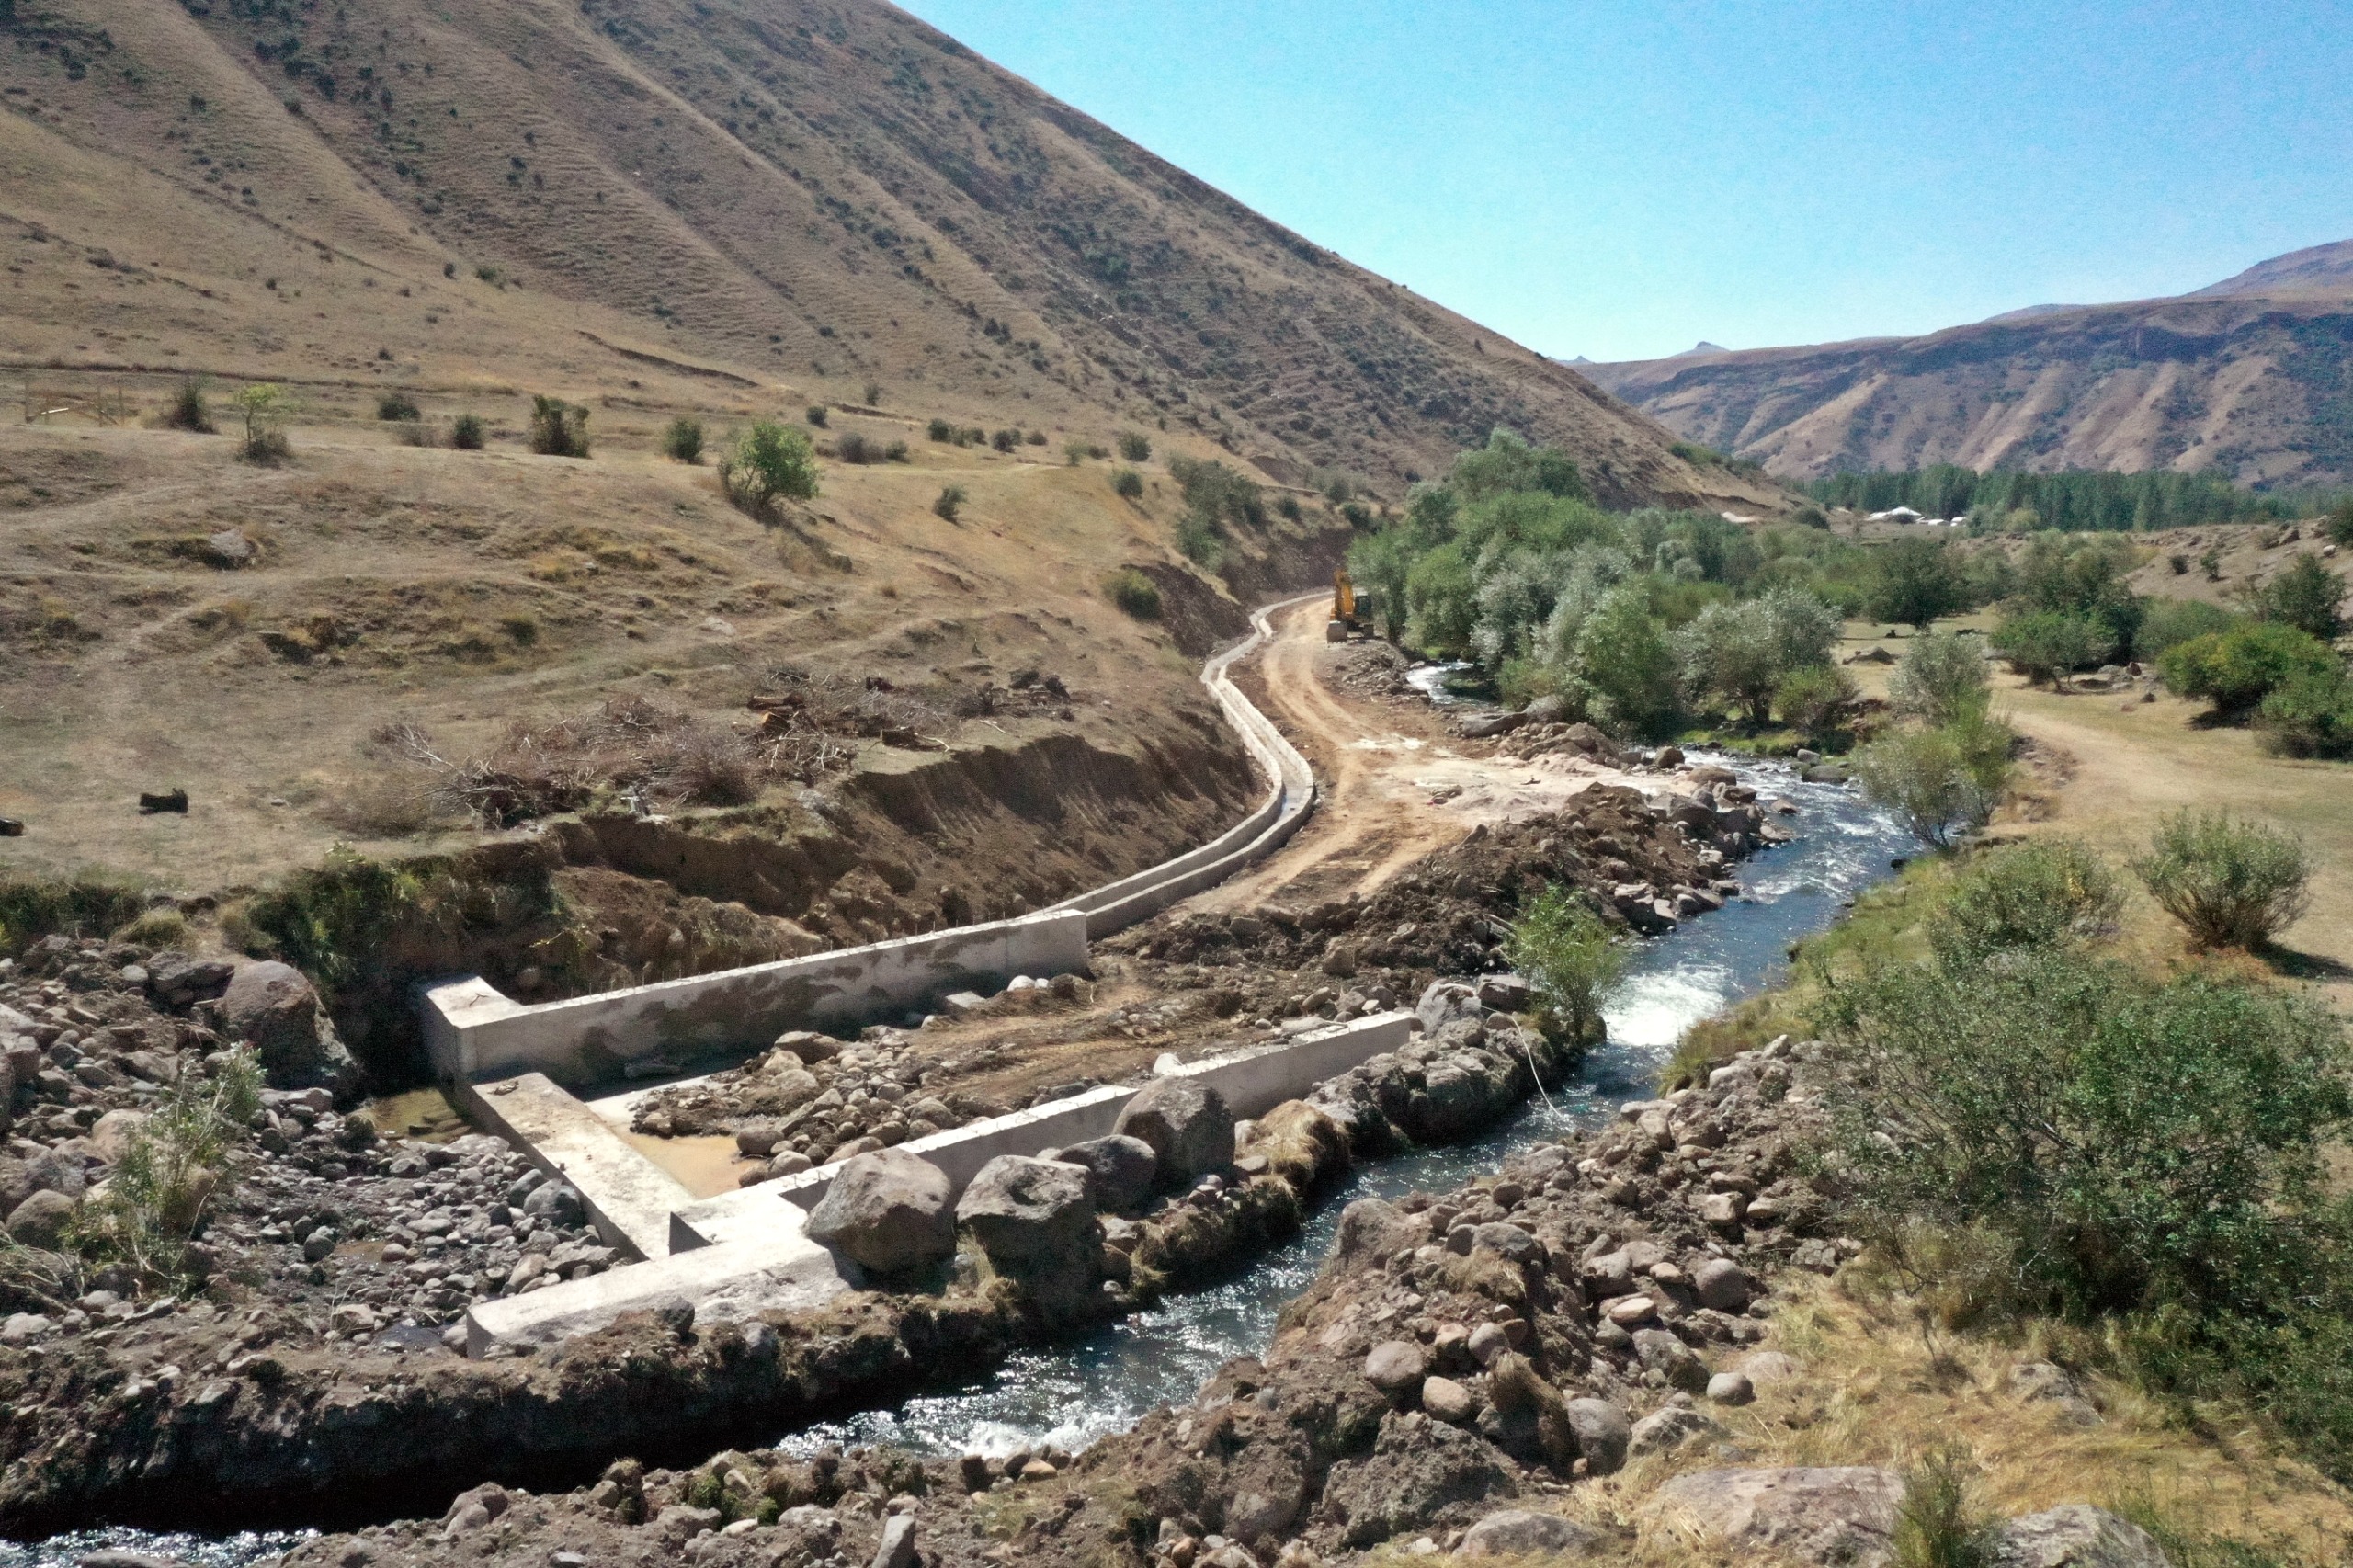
(1253, 1082)
(473, 1030)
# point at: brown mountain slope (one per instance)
(812, 198)
(2250, 377)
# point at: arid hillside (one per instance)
(807, 199)
(2249, 377)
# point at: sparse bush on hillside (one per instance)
(189, 409)
(466, 432)
(951, 502)
(1288, 509)
(852, 447)
(1572, 958)
(942, 431)
(2340, 523)
(682, 441)
(873, 394)
(1134, 447)
(1942, 1522)
(2238, 668)
(265, 407)
(1036, 437)
(1198, 541)
(1078, 451)
(2235, 883)
(766, 462)
(816, 415)
(1135, 592)
(1006, 440)
(417, 434)
(1939, 780)
(1128, 483)
(397, 406)
(558, 429)
(2171, 623)
(1940, 677)
(2304, 595)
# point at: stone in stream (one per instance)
(1187, 1125)
(889, 1211)
(1124, 1169)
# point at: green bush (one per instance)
(2171, 623)
(2310, 716)
(2046, 894)
(1135, 592)
(1942, 1522)
(768, 462)
(1627, 665)
(1742, 650)
(951, 501)
(1127, 483)
(2237, 669)
(1006, 440)
(558, 429)
(1134, 447)
(1938, 779)
(1036, 437)
(682, 441)
(2340, 523)
(1817, 701)
(2304, 595)
(2046, 645)
(2235, 883)
(852, 447)
(1940, 677)
(1200, 541)
(86, 905)
(942, 431)
(1572, 958)
(466, 432)
(1916, 581)
(264, 406)
(397, 406)
(816, 415)
(1288, 509)
(189, 409)
(873, 394)
(175, 1167)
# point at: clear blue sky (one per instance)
(1620, 180)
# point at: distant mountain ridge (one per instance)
(2253, 376)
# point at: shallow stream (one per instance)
(1074, 1392)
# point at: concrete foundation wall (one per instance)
(1253, 1082)
(474, 1031)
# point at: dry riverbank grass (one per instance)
(1875, 1392)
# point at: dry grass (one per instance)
(1876, 1392)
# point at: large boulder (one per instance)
(1514, 1532)
(272, 1008)
(40, 1220)
(1124, 1169)
(1020, 1208)
(1826, 1514)
(179, 979)
(888, 1211)
(1187, 1125)
(2076, 1535)
(1602, 1431)
(1444, 1002)
(1418, 1468)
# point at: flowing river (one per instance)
(1074, 1392)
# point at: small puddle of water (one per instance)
(704, 1166)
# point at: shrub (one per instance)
(1075, 451)
(1915, 580)
(189, 409)
(1199, 540)
(2047, 644)
(1817, 701)
(2306, 596)
(416, 435)
(2310, 716)
(1127, 483)
(2235, 883)
(873, 394)
(682, 442)
(1941, 676)
(942, 431)
(1934, 780)
(852, 447)
(1135, 592)
(896, 452)
(265, 407)
(1571, 958)
(86, 906)
(1036, 437)
(2340, 523)
(1624, 659)
(1288, 509)
(175, 1165)
(1742, 650)
(397, 406)
(2238, 668)
(1006, 440)
(1941, 1522)
(1134, 447)
(466, 432)
(2049, 892)
(950, 500)
(816, 415)
(558, 429)
(2171, 623)
(767, 461)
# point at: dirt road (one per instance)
(1394, 784)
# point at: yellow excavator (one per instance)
(1351, 611)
